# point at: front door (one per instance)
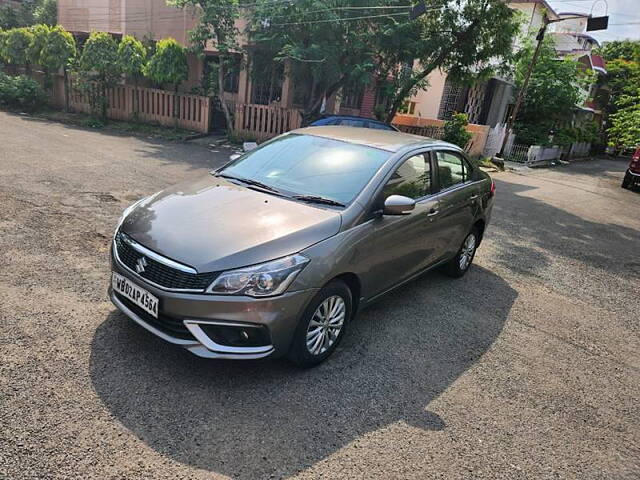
(402, 245)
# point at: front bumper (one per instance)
(196, 311)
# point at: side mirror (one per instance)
(234, 156)
(398, 205)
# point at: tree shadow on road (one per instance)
(529, 232)
(255, 419)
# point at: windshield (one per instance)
(309, 165)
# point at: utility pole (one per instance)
(523, 90)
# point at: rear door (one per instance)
(459, 196)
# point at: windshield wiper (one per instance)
(316, 199)
(250, 181)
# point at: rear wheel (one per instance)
(322, 325)
(459, 264)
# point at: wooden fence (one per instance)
(262, 122)
(154, 106)
(431, 127)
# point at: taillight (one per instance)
(492, 190)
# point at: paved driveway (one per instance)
(526, 368)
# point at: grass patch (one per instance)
(133, 128)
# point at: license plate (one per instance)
(137, 295)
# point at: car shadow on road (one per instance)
(258, 418)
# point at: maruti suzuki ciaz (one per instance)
(275, 252)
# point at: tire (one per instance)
(626, 183)
(323, 343)
(456, 267)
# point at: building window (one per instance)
(232, 77)
(352, 96)
(452, 97)
(267, 88)
(210, 76)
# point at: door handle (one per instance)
(473, 197)
(433, 212)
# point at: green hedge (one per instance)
(21, 92)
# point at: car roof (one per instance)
(383, 139)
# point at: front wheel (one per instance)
(458, 265)
(626, 183)
(322, 325)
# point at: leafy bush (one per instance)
(39, 38)
(21, 92)
(625, 128)
(455, 130)
(16, 46)
(168, 64)
(99, 70)
(532, 134)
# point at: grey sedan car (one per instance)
(275, 253)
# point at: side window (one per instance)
(378, 126)
(349, 122)
(412, 179)
(451, 169)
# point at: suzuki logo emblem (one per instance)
(141, 264)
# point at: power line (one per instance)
(342, 19)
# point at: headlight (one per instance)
(263, 280)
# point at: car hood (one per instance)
(212, 224)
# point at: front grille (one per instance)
(172, 326)
(159, 273)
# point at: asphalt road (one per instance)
(529, 367)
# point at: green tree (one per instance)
(623, 79)
(330, 46)
(16, 47)
(9, 17)
(132, 57)
(455, 130)
(468, 40)
(27, 13)
(168, 65)
(620, 49)
(624, 131)
(57, 53)
(323, 46)
(99, 69)
(216, 27)
(46, 12)
(554, 90)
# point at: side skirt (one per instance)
(364, 303)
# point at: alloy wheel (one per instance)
(468, 249)
(325, 325)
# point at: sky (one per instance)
(624, 16)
